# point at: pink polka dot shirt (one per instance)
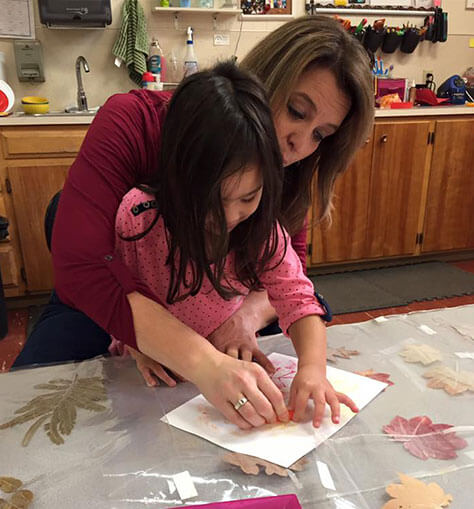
(290, 292)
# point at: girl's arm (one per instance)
(308, 335)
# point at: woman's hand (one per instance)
(150, 369)
(224, 381)
(236, 337)
(310, 382)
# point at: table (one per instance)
(125, 456)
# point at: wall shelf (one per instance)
(266, 17)
(354, 11)
(229, 11)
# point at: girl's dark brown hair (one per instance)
(279, 60)
(218, 122)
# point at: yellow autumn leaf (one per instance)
(415, 493)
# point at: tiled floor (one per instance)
(13, 343)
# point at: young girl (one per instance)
(207, 233)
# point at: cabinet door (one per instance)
(396, 184)
(344, 238)
(449, 219)
(32, 189)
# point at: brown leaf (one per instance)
(251, 465)
(341, 352)
(453, 382)
(424, 354)
(9, 484)
(22, 499)
(415, 493)
(381, 377)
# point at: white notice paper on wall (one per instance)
(280, 443)
(17, 19)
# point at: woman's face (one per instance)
(315, 110)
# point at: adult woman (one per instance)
(326, 115)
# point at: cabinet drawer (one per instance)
(25, 142)
(8, 266)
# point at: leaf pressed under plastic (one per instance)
(413, 493)
(341, 352)
(381, 377)
(251, 464)
(57, 410)
(423, 439)
(453, 382)
(423, 354)
(22, 499)
(9, 484)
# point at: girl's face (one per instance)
(241, 194)
(315, 110)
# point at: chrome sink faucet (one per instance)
(81, 95)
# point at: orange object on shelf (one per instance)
(401, 106)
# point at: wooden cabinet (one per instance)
(398, 165)
(449, 219)
(344, 238)
(34, 162)
(410, 191)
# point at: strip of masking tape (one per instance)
(294, 479)
(342, 503)
(397, 348)
(465, 355)
(380, 319)
(171, 486)
(427, 330)
(185, 485)
(325, 475)
(470, 454)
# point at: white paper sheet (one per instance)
(281, 443)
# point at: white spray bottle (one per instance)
(190, 60)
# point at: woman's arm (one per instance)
(121, 148)
(221, 379)
(237, 335)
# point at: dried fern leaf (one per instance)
(32, 430)
(60, 407)
(22, 499)
(9, 484)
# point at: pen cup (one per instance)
(410, 41)
(391, 42)
(373, 39)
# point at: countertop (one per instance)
(19, 120)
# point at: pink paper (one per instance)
(279, 502)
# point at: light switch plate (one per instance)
(221, 40)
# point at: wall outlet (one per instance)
(221, 40)
(425, 75)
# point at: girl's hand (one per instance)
(150, 369)
(236, 337)
(223, 381)
(310, 382)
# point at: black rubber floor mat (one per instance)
(349, 292)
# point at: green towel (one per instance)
(132, 43)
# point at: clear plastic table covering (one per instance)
(125, 456)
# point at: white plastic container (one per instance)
(3, 76)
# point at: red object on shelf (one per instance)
(401, 106)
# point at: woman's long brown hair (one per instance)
(279, 60)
